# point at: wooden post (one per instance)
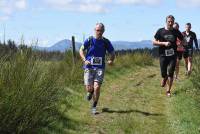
(73, 50)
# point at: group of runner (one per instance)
(173, 45)
(185, 48)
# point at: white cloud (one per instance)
(8, 7)
(92, 8)
(140, 2)
(96, 6)
(4, 18)
(188, 3)
(21, 4)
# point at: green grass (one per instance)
(186, 114)
(49, 98)
(72, 121)
(125, 105)
(185, 106)
(132, 102)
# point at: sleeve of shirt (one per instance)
(157, 36)
(85, 45)
(195, 41)
(110, 47)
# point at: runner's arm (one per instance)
(81, 53)
(157, 38)
(111, 52)
(82, 49)
(158, 43)
(196, 41)
(112, 56)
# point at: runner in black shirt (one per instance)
(166, 38)
(189, 38)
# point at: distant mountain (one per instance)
(61, 46)
(118, 45)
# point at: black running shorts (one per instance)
(167, 65)
(188, 53)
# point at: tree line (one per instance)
(10, 48)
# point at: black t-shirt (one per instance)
(171, 36)
(190, 38)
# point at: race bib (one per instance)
(169, 52)
(96, 61)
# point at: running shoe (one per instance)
(168, 93)
(94, 110)
(89, 96)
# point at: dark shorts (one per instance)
(188, 53)
(179, 55)
(167, 65)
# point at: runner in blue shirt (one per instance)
(94, 62)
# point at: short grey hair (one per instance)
(171, 17)
(101, 25)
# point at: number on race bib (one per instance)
(96, 61)
(169, 52)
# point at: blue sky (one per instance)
(50, 21)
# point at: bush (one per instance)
(29, 93)
(132, 59)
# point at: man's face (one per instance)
(98, 31)
(187, 28)
(170, 23)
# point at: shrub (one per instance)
(29, 93)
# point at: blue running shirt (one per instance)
(96, 51)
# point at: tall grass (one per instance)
(29, 93)
(195, 79)
(185, 106)
(71, 73)
(130, 60)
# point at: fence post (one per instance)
(73, 50)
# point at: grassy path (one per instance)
(132, 103)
